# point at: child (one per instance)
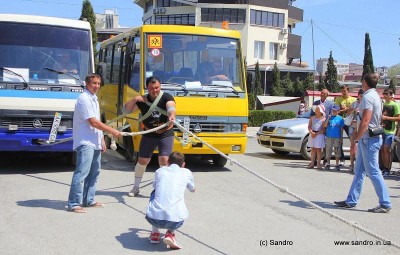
(334, 132)
(316, 140)
(167, 207)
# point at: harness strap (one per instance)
(152, 107)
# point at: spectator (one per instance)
(334, 132)
(344, 101)
(354, 110)
(316, 140)
(302, 107)
(390, 114)
(368, 150)
(325, 102)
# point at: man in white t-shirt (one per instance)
(167, 207)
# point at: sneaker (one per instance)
(341, 163)
(380, 209)
(169, 240)
(343, 204)
(154, 237)
(327, 167)
(134, 192)
(385, 172)
(337, 168)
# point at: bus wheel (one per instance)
(70, 157)
(130, 153)
(218, 160)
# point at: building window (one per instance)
(178, 19)
(169, 3)
(223, 14)
(259, 49)
(273, 51)
(270, 19)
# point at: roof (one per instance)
(52, 21)
(273, 100)
(281, 67)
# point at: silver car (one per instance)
(285, 136)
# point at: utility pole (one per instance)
(313, 52)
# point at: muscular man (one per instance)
(163, 139)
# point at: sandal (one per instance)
(77, 209)
(96, 205)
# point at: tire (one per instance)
(70, 158)
(218, 160)
(278, 152)
(305, 150)
(129, 153)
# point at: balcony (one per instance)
(294, 47)
(295, 14)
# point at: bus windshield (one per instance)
(42, 53)
(194, 61)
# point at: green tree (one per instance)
(368, 66)
(392, 85)
(331, 82)
(299, 87)
(393, 71)
(277, 89)
(88, 15)
(321, 83)
(287, 83)
(257, 85)
(250, 93)
(307, 84)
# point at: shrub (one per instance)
(258, 117)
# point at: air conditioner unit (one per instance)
(283, 45)
(284, 31)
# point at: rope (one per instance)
(286, 190)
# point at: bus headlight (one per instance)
(235, 127)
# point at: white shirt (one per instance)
(86, 107)
(170, 184)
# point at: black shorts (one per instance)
(149, 144)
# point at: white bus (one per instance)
(43, 64)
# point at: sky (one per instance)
(339, 25)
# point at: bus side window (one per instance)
(135, 77)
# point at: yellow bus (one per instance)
(214, 107)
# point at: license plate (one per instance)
(264, 137)
(54, 127)
(186, 125)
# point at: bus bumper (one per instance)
(20, 141)
(227, 145)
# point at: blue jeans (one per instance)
(165, 224)
(83, 185)
(368, 163)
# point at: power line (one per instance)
(340, 46)
(355, 28)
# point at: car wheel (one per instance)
(218, 160)
(305, 150)
(280, 152)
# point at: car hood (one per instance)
(287, 123)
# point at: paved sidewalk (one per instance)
(252, 131)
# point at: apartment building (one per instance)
(265, 26)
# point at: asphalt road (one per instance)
(231, 212)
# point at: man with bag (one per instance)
(370, 111)
(390, 114)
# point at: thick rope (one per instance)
(286, 190)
